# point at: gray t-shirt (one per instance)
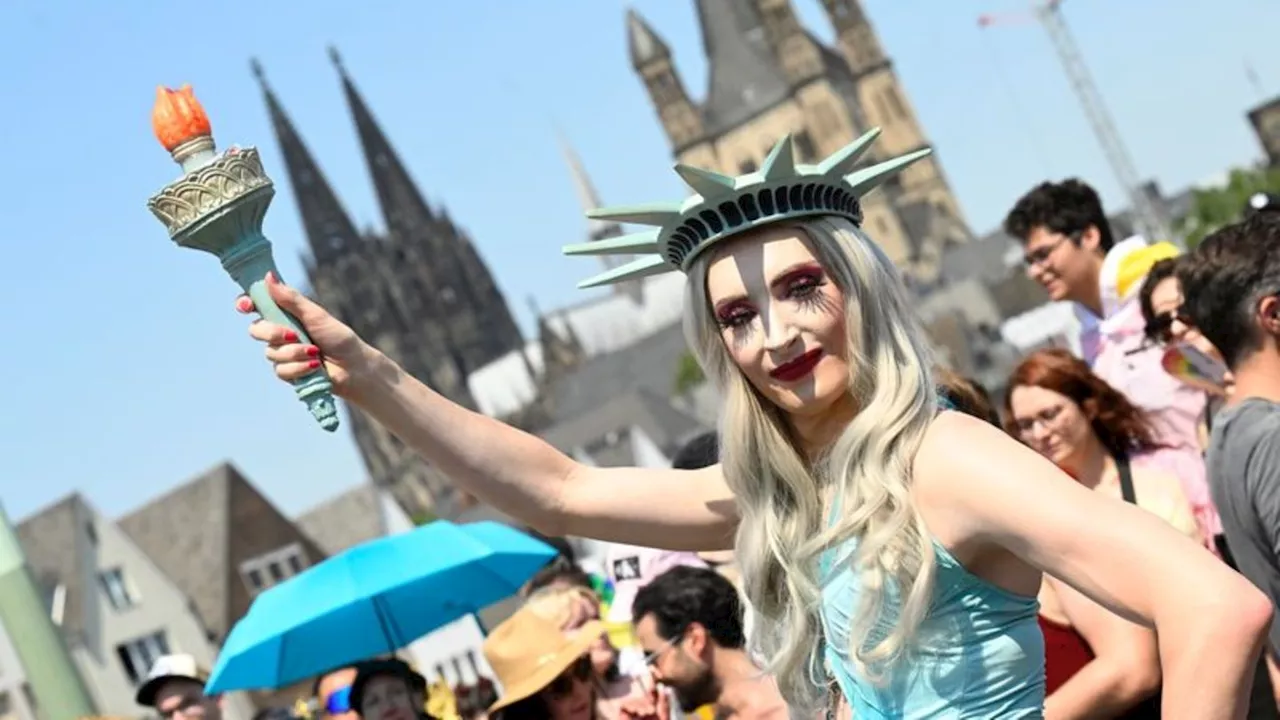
(1244, 478)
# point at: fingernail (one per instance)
(313, 351)
(271, 277)
(243, 305)
(290, 336)
(313, 364)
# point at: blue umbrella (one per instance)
(374, 599)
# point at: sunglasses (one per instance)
(1160, 329)
(579, 671)
(338, 702)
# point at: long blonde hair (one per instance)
(785, 499)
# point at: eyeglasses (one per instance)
(1160, 329)
(338, 702)
(653, 657)
(1047, 418)
(1041, 254)
(579, 671)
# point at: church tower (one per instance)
(378, 287)
(651, 59)
(886, 106)
(768, 76)
(445, 279)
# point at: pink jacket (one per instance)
(1175, 408)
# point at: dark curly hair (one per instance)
(683, 595)
(1226, 277)
(1162, 270)
(1119, 424)
(1069, 207)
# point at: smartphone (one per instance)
(1195, 367)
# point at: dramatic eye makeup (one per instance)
(801, 283)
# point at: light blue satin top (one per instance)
(979, 654)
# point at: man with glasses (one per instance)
(175, 690)
(689, 622)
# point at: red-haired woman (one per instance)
(1097, 664)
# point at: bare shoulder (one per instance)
(972, 479)
(957, 445)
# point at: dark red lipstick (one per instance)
(797, 369)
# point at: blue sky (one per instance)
(127, 370)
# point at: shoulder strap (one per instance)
(1126, 478)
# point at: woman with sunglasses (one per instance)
(1167, 324)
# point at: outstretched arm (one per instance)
(512, 470)
(1210, 622)
(524, 476)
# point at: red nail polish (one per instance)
(313, 364)
(313, 351)
(290, 336)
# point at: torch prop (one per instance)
(218, 206)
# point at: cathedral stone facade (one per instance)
(420, 291)
(768, 76)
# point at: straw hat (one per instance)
(528, 652)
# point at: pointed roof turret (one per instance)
(403, 206)
(743, 75)
(643, 43)
(597, 228)
(585, 191)
(330, 232)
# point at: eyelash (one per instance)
(805, 290)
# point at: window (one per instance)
(137, 656)
(804, 144)
(6, 706)
(273, 568)
(91, 532)
(118, 589)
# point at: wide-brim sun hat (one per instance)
(527, 653)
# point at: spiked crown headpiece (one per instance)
(725, 206)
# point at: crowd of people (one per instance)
(1102, 540)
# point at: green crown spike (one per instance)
(709, 184)
(639, 268)
(781, 162)
(867, 179)
(656, 214)
(641, 242)
(841, 162)
(725, 206)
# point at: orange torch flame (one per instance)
(178, 117)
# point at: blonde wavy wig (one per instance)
(786, 500)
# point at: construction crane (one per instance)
(1148, 215)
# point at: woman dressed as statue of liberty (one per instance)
(891, 549)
